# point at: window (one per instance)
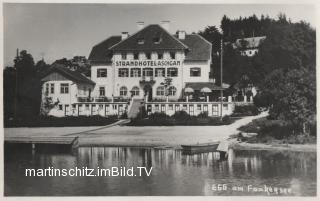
(52, 88)
(135, 56)
(184, 107)
(101, 72)
(159, 72)
(205, 108)
(160, 55)
(84, 90)
(135, 91)
(225, 106)
(148, 55)
(191, 110)
(156, 108)
(156, 40)
(195, 72)
(170, 107)
(64, 88)
(160, 91)
(60, 107)
(135, 72)
(47, 88)
(199, 107)
(215, 110)
(102, 91)
(177, 107)
(123, 56)
(148, 72)
(123, 72)
(172, 55)
(172, 91)
(172, 72)
(140, 41)
(123, 91)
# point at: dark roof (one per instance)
(251, 43)
(149, 34)
(100, 53)
(199, 48)
(72, 75)
(201, 85)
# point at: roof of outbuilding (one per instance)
(72, 75)
(149, 34)
(199, 48)
(250, 43)
(101, 53)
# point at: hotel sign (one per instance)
(148, 63)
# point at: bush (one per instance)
(203, 115)
(245, 110)
(181, 116)
(158, 116)
(124, 116)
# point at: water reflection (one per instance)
(173, 173)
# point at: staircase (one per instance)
(134, 108)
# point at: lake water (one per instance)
(173, 173)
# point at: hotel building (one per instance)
(150, 68)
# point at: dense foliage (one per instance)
(283, 70)
(181, 118)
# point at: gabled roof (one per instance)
(69, 74)
(199, 48)
(250, 43)
(149, 34)
(100, 53)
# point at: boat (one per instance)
(200, 147)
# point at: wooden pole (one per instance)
(221, 65)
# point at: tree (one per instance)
(27, 91)
(293, 96)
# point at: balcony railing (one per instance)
(147, 79)
(85, 99)
(101, 99)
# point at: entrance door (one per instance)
(148, 92)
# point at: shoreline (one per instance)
(234, 146)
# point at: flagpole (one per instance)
(221, 65)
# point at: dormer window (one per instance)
(140, 41)
(124, 56)
(156, 40)
(172, 55)
(136, 56)
(148, 55)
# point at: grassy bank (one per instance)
(275, 132)
(180, 119)
(61, 121)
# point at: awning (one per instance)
(188, 90)
(197, 86)
(206, 90)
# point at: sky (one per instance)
(55, 31)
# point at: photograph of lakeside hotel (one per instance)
(151, 68)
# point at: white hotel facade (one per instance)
(129, 71)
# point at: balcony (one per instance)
(147, 80)
(85, 99)
(101, 99)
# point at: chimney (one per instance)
(124, 35)
(140, 25)
(181, 35)
(165, 24)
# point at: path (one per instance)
(138, 136)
